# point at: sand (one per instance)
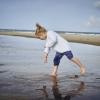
(93, 39)
(44, 87)
(24, 76)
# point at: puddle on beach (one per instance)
(3, 71)
(24, 78)
(2, 64)
(45, 87)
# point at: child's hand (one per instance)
(45, 56)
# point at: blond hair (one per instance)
(40, 30)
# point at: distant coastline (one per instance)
(23, 30)
(77, 37)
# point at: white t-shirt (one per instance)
(56, 42)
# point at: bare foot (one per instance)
(82, 70)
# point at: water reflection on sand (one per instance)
(69, 94)
(24, 76)
(75, 89)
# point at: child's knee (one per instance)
(75, 59)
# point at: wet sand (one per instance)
(45, 87)
(24, 76)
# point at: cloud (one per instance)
(97, 4)
(93, 22)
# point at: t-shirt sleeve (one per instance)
(50, 42)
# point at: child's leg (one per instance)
(77, 61)
(56, 61)
(54, 70)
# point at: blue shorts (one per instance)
(58, 57)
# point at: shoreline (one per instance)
(93, 39)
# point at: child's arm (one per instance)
(45, 57)
(51, 41)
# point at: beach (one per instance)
(77, 37)
(24, 76)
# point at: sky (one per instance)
(60, 15)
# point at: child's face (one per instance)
(42, 36)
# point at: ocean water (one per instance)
(22, 68)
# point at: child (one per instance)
(60, 45)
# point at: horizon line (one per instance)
(59, 31)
